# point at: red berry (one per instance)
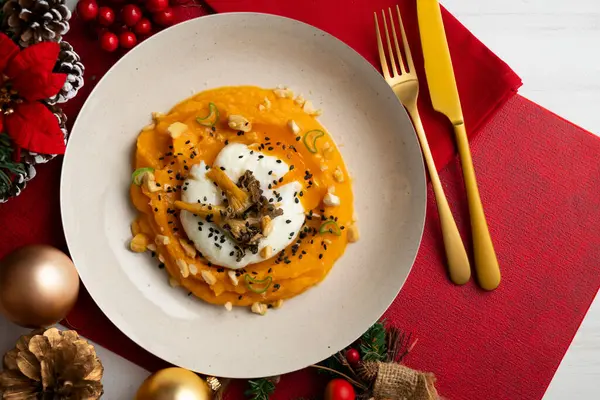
(131, 14)
(109, 41)
(87, 9)
(143, 27)
(164, 17)
(106, 16)
(127, 40)
(339, 389)
(156, 5)
(353, 356)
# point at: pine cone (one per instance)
(18, 183)
(70, 64)
(52, 365)
(34, 21)
(33, 158)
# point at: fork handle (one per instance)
(458, 262)
(486, 263)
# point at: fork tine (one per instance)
(384, 65)
(398, 51)
(389, 43)
(409, 59)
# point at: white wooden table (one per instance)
(553, 46)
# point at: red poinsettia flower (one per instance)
(25, 78)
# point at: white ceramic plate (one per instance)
(360, 111)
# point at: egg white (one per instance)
(237, 158)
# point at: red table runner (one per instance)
(538, 177)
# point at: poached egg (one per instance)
(214, 243)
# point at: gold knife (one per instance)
(445, 99)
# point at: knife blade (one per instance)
(438, 64)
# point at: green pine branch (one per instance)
(373, 345)
(7, 165)
(260, 389)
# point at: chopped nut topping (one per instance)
(151, 247)
(353, 234)
(162, 239)
(266, 225)
(310, 109)
(228, 306)
(300, 100)
(239, 123)
(177, 129)
(324, 167)
(293, 126)
(259, 308)
(139, 243)
(148, 127)
(157, 115)
(149, 182)
(161, 258)
(331, 200)
(267, 103)
(173, 282)
(261, 107)
(284, 93)
(278, 304)
(208, 277)
(193, 269)
(338, 175)
(188, 249)
(331, 189)
(266, 252)
(233, 277)
(183, 268)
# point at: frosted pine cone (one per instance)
(70, 64)
(34, 21)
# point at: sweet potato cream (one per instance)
(243, 197)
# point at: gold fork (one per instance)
(405, 85)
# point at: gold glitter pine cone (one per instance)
(51, 365)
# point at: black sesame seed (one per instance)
(240, 297)
(231, 254)
(296, 200)
(222, 168)
(161, 265)
(187, 142)
(155, 209)
(279, 161)
(288, 221)
(270, 149)
(240, 133)
(291, 167)
(320, 256)
(226, 142)
(240, 156)
(260, 157)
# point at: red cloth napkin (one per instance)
(537, 176)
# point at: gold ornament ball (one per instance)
(38, 286)
(174, 384)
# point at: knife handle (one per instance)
(456, 255)
(486, 263)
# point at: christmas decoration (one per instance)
(261, 389)
(143, 27)
(131, 14)
(109, 41)
(68, 63)
(26, 124)
(106, 16)
(51, 364)
(38, 286)
(32, 158)
(35, 21)
(339, 389)
(164, 17)
(374, 372)
(174, 384)
(353, 357)
(127, 40)
(87, 9)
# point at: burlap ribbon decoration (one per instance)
(396, 382)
